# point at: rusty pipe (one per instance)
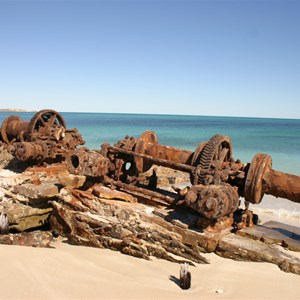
(262, 179)
(147, 144)
(282, 185)
(154, 160)
(169, 153)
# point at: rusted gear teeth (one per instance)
(218, 148)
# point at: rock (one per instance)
(5, 157)
(107, 193)
(71, 181)
(245, 249)
(9, 179)
(33, 239)
(58, 175)
(41, 191)
(128, 228)
(274, 233)
(22, 217)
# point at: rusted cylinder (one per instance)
(13, 128)
(87, 163)
(262, 179)
(169, 153)
(212, 201)
(154, 153)
(282, 185)
(25, 151)
(153, 160)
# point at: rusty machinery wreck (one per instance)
(216, 180)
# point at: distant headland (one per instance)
(15, 110)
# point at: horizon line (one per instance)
(143, 113)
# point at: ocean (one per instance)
(279, 138)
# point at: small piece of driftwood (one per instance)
(185, 276)
(4, 226)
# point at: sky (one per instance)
(217, 58)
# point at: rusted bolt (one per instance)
(211, 203)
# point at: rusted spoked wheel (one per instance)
(141, 146)
(218, 148)
(45, 122)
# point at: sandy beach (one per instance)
(76, 272)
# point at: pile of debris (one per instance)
(138, 196)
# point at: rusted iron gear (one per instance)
(196, 154)
(87, 163)
(46, 122)
(218, 148)
(212, 201)
(13, 128)
(262, 179)
(25, 151)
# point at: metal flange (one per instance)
(261, 164)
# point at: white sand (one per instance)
(75, 272)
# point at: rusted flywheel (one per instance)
(218, 148)
(46, 122)
(141, 146)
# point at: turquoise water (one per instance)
(280, 138)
